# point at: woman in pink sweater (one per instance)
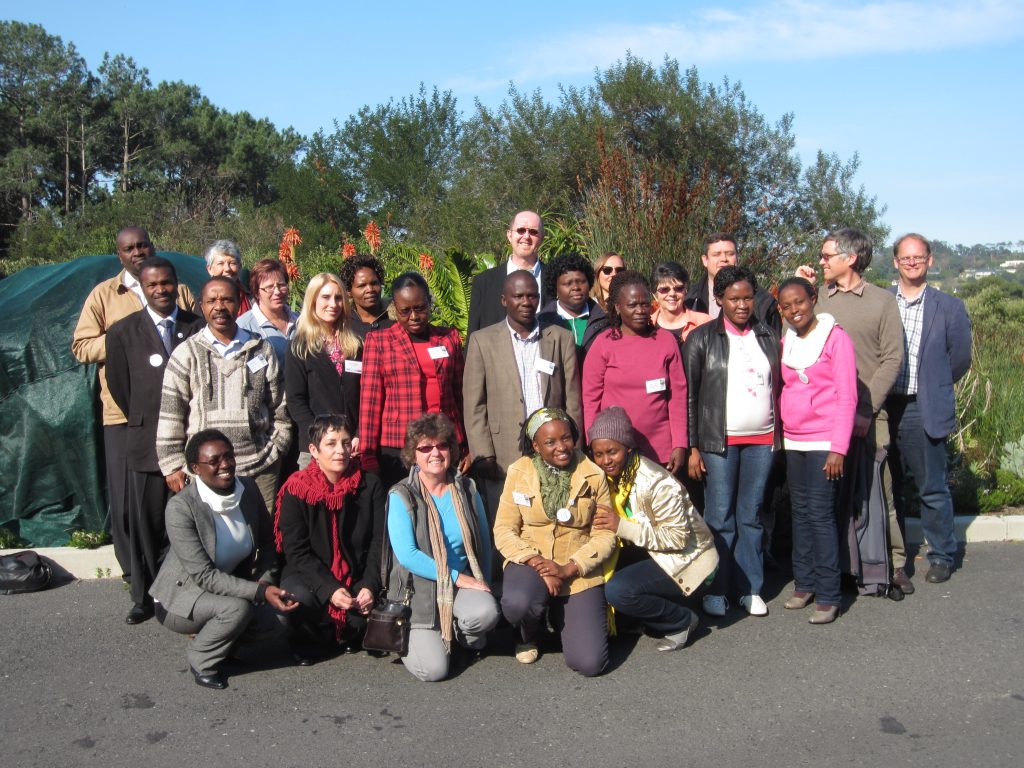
(818, 403)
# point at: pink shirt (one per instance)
(644, 375)
(822, 408)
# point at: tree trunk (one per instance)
(125, 123)
(85, 175)
(67, 165)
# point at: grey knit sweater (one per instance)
(203, 390)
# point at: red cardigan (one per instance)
(393, 388)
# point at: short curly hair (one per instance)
(733, 274)
(353, 264)
(435, 426)
(201, 438)
(618, 284)
(558, 266)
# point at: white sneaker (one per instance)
(754, 604)
(527, 653)
(715, 605)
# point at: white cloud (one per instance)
(774, 31)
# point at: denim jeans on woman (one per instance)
(732, 509)
(642, 590)
(815, 531)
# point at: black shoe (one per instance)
(301, 659)
(901, 580)
(139, 613)
(938, 573)
(212, 680)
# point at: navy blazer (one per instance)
(136, 360)
(943, 359)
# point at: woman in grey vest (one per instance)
(442, 549)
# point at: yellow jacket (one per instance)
(522, 531)
(107, 303)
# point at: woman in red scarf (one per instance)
(330, 526)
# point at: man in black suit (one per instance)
(525, 234)
(137, 350)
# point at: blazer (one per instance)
(306, 539)
(766, 310)
(392, 387)
(706, 361)
(492, 394)
(312, 387)
(485, 299)
(597, 321)
(942, 360)
(522, 531)
(188, 569)
(136, 360)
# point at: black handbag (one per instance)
(387, 628)
(23, 572)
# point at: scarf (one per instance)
(438, 548)
(620, 503)
(336, 354)
(554, 484)
(800, 354)
(311, 486)
(220, 503)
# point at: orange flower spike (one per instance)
(284, 252)
(348, 251)
(426, 262)
(292, 236)
(293, 272)
(372, 235)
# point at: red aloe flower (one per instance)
(293, 272)
(291, 237)
(284, 252)
(348, 251)
(426, 262)
(372, 235)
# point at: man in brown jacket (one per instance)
(108, 302)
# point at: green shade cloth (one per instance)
(52, 479)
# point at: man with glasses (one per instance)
(720, 251)
(870, 316)
(921, 406)
(108, 302)
(224, 378)
(525, 234)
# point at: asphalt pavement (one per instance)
(937, 679)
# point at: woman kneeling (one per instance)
(438, 532)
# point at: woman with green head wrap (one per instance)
(553, 556)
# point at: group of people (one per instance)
(595, 455)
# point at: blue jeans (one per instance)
(924, 458)
(644, 591)
(815, 532)
(732, 509)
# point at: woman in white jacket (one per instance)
(665, 548)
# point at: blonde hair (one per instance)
(595, 290)
(311, 331)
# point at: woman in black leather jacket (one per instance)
(733, 383)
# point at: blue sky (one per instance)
(931, 94)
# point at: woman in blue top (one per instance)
(441, 543)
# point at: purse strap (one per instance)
(386, 561)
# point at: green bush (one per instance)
(88, 539)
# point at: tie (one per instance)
(165, 326)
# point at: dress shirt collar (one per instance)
(533, 336)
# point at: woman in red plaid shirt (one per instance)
(409, 369)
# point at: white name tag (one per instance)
(545, 366)
(656, 385)
(521, 499)
(258, 363)
(353, 366)
(437, 353)
(156, 360)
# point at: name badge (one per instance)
(156, 360)
(656, 385)
(257, 363)
(437, 353)
(353, 366)
(545, 366)
(521, 499)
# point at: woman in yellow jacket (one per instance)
(553, 556)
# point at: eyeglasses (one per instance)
(275, 288)
(216, 461)
(407, 311)
(428, 449)
(612, 270)
(830, 256)
(664, 290)
(523, 230)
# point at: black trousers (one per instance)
(147, 534)
(115, 453)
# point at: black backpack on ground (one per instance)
(23, 572)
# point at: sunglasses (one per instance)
(664, 290)
(523, 230)
(428, 449)
(612, 270)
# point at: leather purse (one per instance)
(387, 627)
